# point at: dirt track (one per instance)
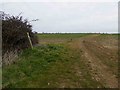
(99, 53)
(102, 58)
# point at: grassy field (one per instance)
(60, 38)
(66, 61)
(63, 35)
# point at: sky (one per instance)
(67, 16)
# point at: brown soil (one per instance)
(100, 53)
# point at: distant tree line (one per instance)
(14, 33)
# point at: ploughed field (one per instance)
(66, 61)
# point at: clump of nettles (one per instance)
(14, 33)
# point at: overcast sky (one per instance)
(67, 16)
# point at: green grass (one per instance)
(51, 63)
(60, 38)
(32, 62)
(118, 35)
(51, 66)
(64, 35)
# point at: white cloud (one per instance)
(68, 16)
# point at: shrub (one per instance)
(14, 33)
